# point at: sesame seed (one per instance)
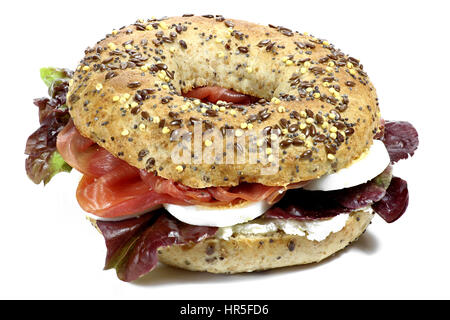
(125, 132)
(275, 100)
(165, 130)
(281, 109)
(162, 75)
(208, 143)
(260, 142)
(179, 168)
(163, 25)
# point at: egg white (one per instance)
(217, 217)
(367, 167)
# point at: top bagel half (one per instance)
(127, 96)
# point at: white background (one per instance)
(49, 250)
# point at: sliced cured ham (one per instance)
(119, 193)
(111, 188)
(84, 155)
(214, 94)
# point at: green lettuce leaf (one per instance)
(50, 74)
(56, 165)
(384, 179)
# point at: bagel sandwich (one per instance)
(220, 145)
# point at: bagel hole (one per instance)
(213, 94)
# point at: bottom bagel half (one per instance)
(247, 253)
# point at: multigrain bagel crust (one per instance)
(247, 253)
(127, 96)
(243, 253)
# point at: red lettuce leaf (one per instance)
(395, 201)
(118, 234)
(303, 204)
(43, 161)
(132, 244)
(401, 139)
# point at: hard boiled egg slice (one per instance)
(365, 168)
(217, 217)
